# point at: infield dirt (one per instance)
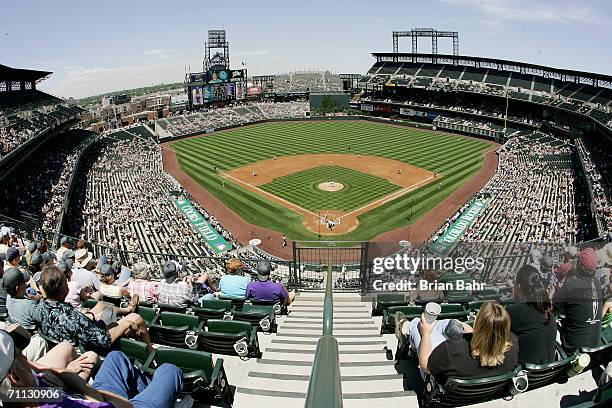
(262, 172)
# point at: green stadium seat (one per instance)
(212, 309)
(600, 355)
(116, 301)
(487, 294)
(453, 311)
(541, 375)
(386, 300)
(260, 317)
(280, 308)
(230, 337)
(388, 321)
(204, 380)
(167, 307)
(90, 303)
(149, 315)
(176, 330)
(457, 392)
(136, 350)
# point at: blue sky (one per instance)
(95, 46)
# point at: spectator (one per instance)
(264, 290)
(82, 271)
(233, 285)
(580, 302)
(32, 248)
(63, 355)
(107, 283)
(118, 383)
(175, 291)
(20, 309)
(65, 245)
(532, 318)
(12, 258)
(142, 285)
(61, 321)
(443, 330)
(491, 350)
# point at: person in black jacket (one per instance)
(532, 318)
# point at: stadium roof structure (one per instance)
(568, 75)
(17, 74)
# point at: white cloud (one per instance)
(245, 53)
(560, 11)
(80, 81)
(158, 53)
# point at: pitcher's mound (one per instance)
(330, 186)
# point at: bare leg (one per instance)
(141, 332)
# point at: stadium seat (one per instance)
(261, 317)
(386, 300)
(212, 309)
(176, 329)
(600, 355)
(149, 315)
(204, 380)
(453, 311)
(541, 375)
(487, 294)
(388, 321)
(457, 392)
(229, 337)
(90, 304)
(137, 351)
(167, 307)
(116, 301)
(280, 308)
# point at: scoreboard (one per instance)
(215, 85)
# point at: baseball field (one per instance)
(350, 179)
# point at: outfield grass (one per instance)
(301, 188)
(456, 159)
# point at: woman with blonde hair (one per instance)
(490, 350)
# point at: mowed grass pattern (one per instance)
(455, 159)
(301, 188)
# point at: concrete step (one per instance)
(317, 335)
(249, 397)
(290, 355)
(278, 367)
(341, 341)
(348, 387)
(343, 348)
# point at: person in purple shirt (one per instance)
(264, 290)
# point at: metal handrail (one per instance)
(325, 386)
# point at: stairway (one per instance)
(280, 378)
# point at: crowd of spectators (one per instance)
(596, 162)
(125, 201)
(205, 119)
(323, 81)
(40, 188)
(20, 124)
(594, 102)
(531, 195)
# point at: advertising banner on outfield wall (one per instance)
(214, 239)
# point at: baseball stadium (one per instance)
(431, 230)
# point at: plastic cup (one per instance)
(432, 310)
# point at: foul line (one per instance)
(271, 195)
(390, 197)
